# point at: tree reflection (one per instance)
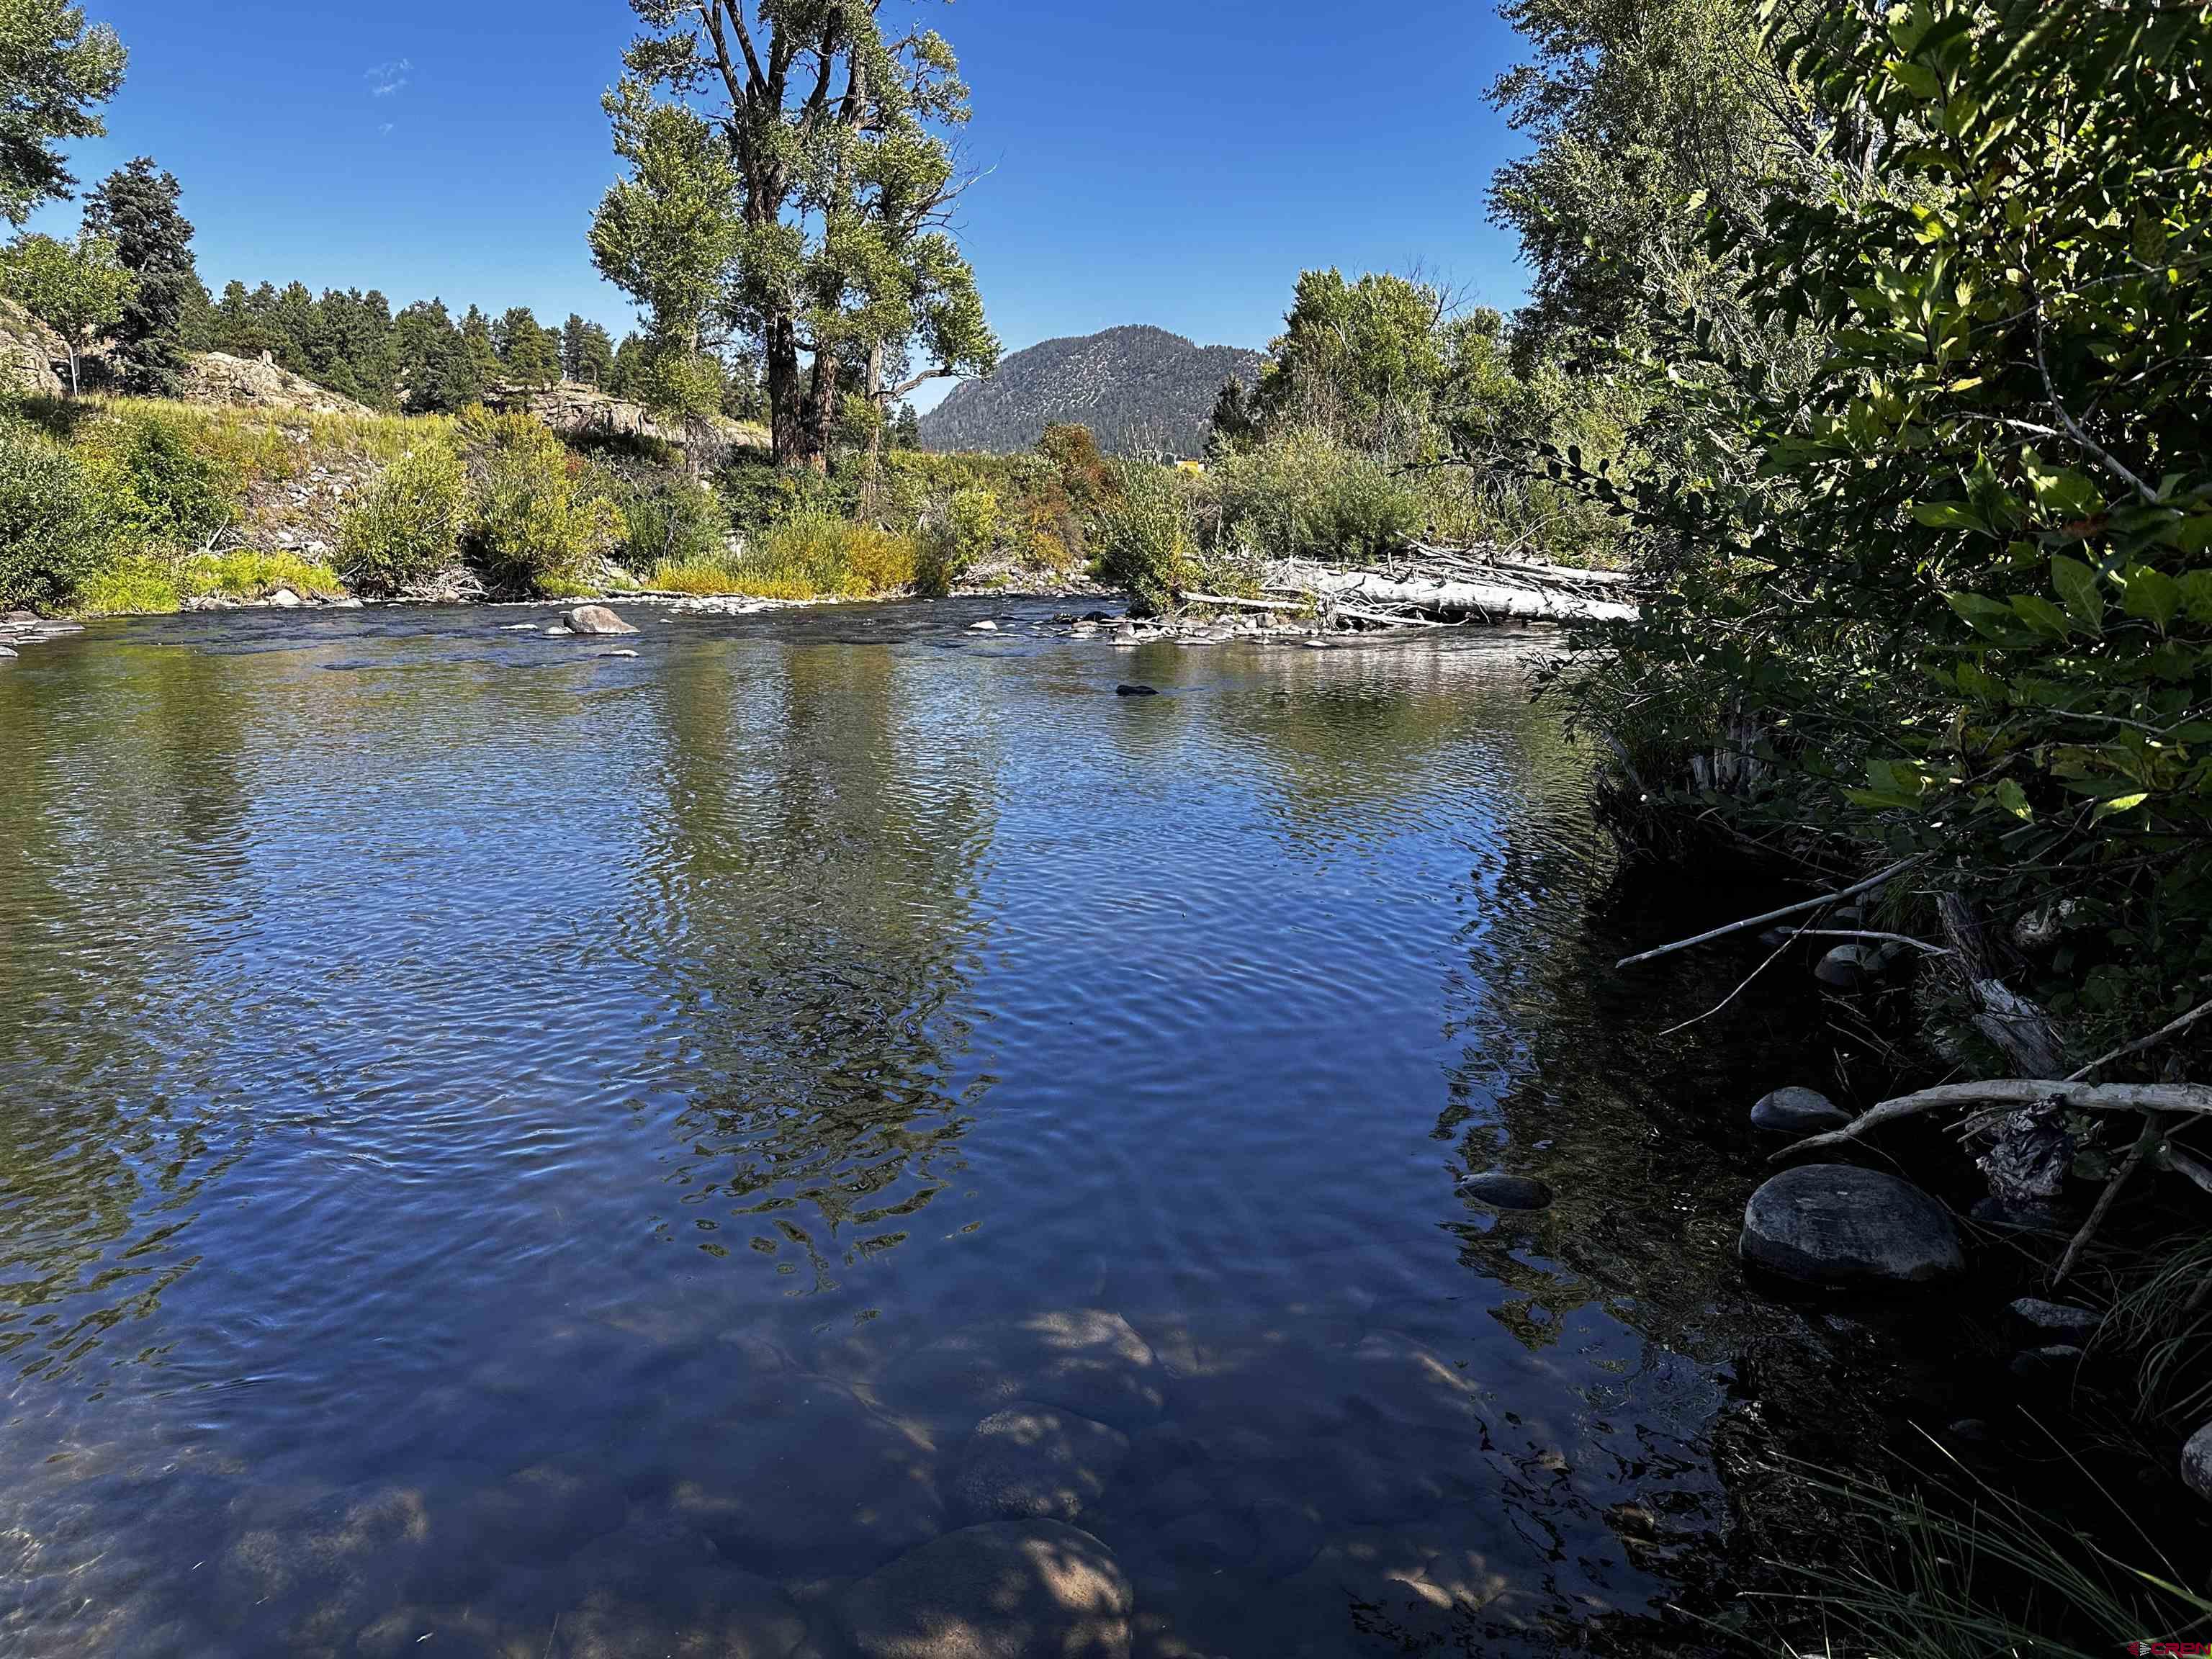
(827, 808)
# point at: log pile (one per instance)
(1443, 586)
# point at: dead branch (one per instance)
(2173, 1029)
(2152, 1132)
(1782, 914)
(2193, 1098)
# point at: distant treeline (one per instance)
(420, 359)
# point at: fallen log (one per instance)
(1457, 600)
(2183, 1098)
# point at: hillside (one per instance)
(1140, 389)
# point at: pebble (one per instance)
(2057, 1319)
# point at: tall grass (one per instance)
(1958, 1569)
(810, 555)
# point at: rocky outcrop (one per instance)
(28, 352)
(1008, 1590)
(574, 410)
(1835, 1224)
(215, 377)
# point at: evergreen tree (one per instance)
(623, 376)
(906, 430)
(53, 70)
(137, 210)
(530, 354)
(588, 352)
(436, 365)
(482, 347)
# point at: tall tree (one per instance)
(840, 175)
(436, 365)
(76, 288)
(55, 69)
(137, 210)
(530, 353)
(588, 351)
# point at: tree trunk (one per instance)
(822, 410)
(75, 391)
(876, 431)
(787, 402)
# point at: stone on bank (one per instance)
(1838, 1225)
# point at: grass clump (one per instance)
(137, 585)
(407, 525)
(810, 555)
(248, 575)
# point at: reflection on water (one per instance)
(558, 1154)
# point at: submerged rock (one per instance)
(1506, 1192)
(2056, 1319)
(595, 619)
(2196, 1462)
(1798, 1112)
(1835, 1224)
(1135, 691)
(1036, 1462)
(1010, 1589)
(2055, 1364)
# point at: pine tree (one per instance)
(485, 369)
(137, 210)
(530, 354)
(906, 430)
(588, 352)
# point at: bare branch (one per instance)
(1782, 914)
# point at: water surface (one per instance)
(553, 1153)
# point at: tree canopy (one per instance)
(55, 71)
(77, 288)
(136, 210)
(823, 143)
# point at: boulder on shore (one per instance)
(2196, 1462)
(1835, 1223)
(1798, 1112)
(1006, 1591)
(595, 619)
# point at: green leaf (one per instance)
(2013, 799)
(2117, 804)
(2153, 595)
(2077, 586)
(2041, 615)
(1917, 79)
(1948, 515)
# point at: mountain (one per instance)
(1140, 390)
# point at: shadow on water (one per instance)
(533, 1152)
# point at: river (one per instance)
(511, 1149)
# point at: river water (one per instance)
(507, 1149)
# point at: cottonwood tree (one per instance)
(54, 70)
(76, 288)
(840, 179)
(136, 210)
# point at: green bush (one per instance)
(50, 530)
(407, 526)
(666, 519)
(159, 488)
(1145, 535)
(1304, 494)
(532, 527)
(137, 585)
(246, 574)
(953, 539)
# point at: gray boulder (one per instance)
(2060, 1322)
(1036, 1462)
(1857, 967)
(1011, 1589)
(1835, 1224)
(2196, 1462)
(596, 619)
(1798, 1112)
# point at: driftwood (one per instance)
(1782, 914)
(1229, 603)
(2191, 1098)
(1438, 599)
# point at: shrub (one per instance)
(50, 530)
(666, 519)
(814, 555)
(1304, 494)
(532, 526)
(954, 538)
(407, 526)
(880, 562)
(160, 488)
(1144, 535)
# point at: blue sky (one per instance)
(1145, 160)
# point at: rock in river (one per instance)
(1506, 1192)
(596, 619)
(1835, 1224)
(1135, 691)
(2197, 1463)
(1036, 1462)
(1008, 1590)
(1798, 1112)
